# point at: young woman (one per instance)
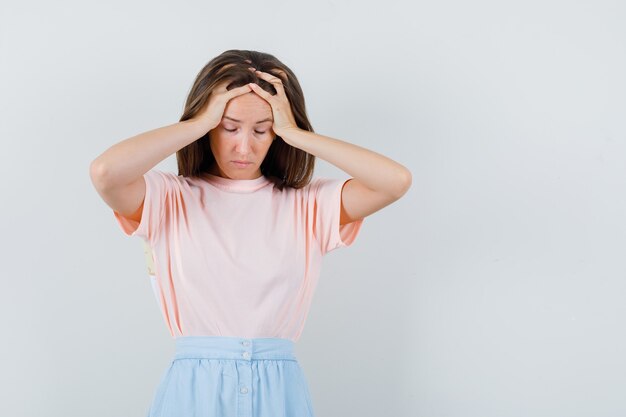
(237, 237)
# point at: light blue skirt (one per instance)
(218, 376)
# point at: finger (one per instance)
(264, 94)
(237, 91)
(282, 73)
(268, 77)
(275, 81)
(283, 78)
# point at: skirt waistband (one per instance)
(240, 348)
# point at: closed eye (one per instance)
(256, 131)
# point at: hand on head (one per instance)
(211, 113)
(281, 109)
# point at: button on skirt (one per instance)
(218, 376)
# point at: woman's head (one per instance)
(244, 134)
(280, 162)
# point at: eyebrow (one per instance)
(239, 121)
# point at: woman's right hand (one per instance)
(211, 114)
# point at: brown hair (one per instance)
(284, 164)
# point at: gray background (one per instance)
(494, 287)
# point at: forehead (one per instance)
(248, 107)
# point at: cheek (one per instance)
(266, 148)
(217, 145)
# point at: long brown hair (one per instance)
(284, 164)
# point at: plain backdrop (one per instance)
(494, 288)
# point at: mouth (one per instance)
(241, 163)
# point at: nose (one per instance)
(243, 146)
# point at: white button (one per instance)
(246, 355)
(246, 343)
(243, 390)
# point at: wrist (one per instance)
(202, 127)
(286, 131)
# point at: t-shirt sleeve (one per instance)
(326, 202)
(160, 192)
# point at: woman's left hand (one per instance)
(281, 110)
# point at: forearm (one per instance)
(375, 171)
(129, 159)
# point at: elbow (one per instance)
(405, 179)
(97, 173)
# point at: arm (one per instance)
(129, 159)
(118, 173)
(377, 180)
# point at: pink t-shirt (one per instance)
(237, 258)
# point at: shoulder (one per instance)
(170, 179)
(326, 184)
(323, 188)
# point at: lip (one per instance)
(241, 163)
